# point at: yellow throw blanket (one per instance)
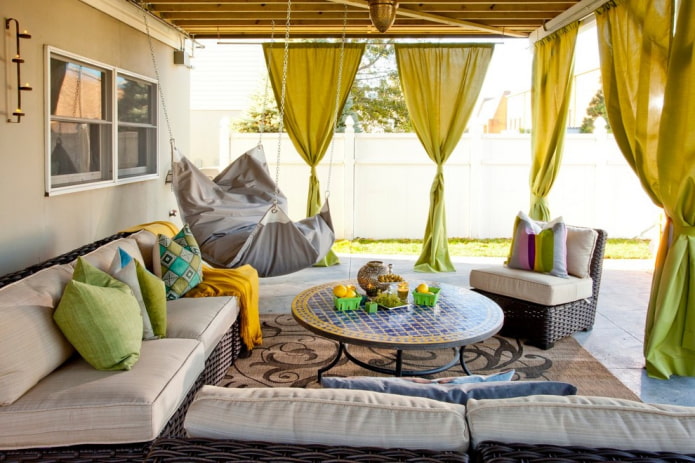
(241, 282)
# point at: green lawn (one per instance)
(617, 248)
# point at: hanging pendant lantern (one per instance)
(382, 13)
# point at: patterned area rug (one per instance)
(291, 356)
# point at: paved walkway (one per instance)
(616, 340)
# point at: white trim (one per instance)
(130, 14)
(577, 12)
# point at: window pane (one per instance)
(134, 101)
(77, 90)
(136, 151)
(76, 153)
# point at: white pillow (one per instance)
(328, 417)
(580, 248)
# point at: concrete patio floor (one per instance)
(616, 339)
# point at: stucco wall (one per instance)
(36, 227)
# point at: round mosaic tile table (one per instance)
(459, 318)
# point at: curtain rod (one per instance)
(369, 42)
(582, 11)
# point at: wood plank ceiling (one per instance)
(238, 19)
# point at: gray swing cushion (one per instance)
(233, 219)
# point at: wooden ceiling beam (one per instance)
(443, 18)
(435, 18)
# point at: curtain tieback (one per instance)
(686, 230)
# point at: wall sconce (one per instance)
(382, 13)
(18, 60)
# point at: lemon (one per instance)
(339, 291)
(350, 293)
(422, 288)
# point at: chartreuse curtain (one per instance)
(634, 56)
(553, 65)
(313, 72)
(670, 331)
(441, 84)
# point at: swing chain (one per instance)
(261, 126)
(285, 59)
(159, 80)
(337, 101)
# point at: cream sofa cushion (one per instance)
(78, 404)
(583, 421)
(206, 319)
(31, 344)
(531, 286)
(146, 241)
(327, 416)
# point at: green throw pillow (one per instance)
(155, 298)
(101, 318)
(180, 261)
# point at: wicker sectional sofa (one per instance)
(54, 406)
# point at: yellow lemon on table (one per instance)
(339, 291)
(351, 293)
(422, 288)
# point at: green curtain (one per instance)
(634, 56)
(553, 66)
(441, 84)
(670, 331)
(313, 71)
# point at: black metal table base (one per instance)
(398, 371)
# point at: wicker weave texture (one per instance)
(208, 450)
(542, 325)
(79, 454)
(223, 356)
(488, 452)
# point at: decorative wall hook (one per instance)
(18, 60)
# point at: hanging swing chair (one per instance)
(239, 216)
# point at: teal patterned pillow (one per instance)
(180, 263)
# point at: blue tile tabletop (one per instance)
(460, 317)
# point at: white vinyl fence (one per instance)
(380, 184)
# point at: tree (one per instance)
(596, 108)
(260, 111)
(375, 102)
(378, 103)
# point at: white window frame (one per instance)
(141, 170)
(112, 119)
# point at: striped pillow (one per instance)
(539, 247)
